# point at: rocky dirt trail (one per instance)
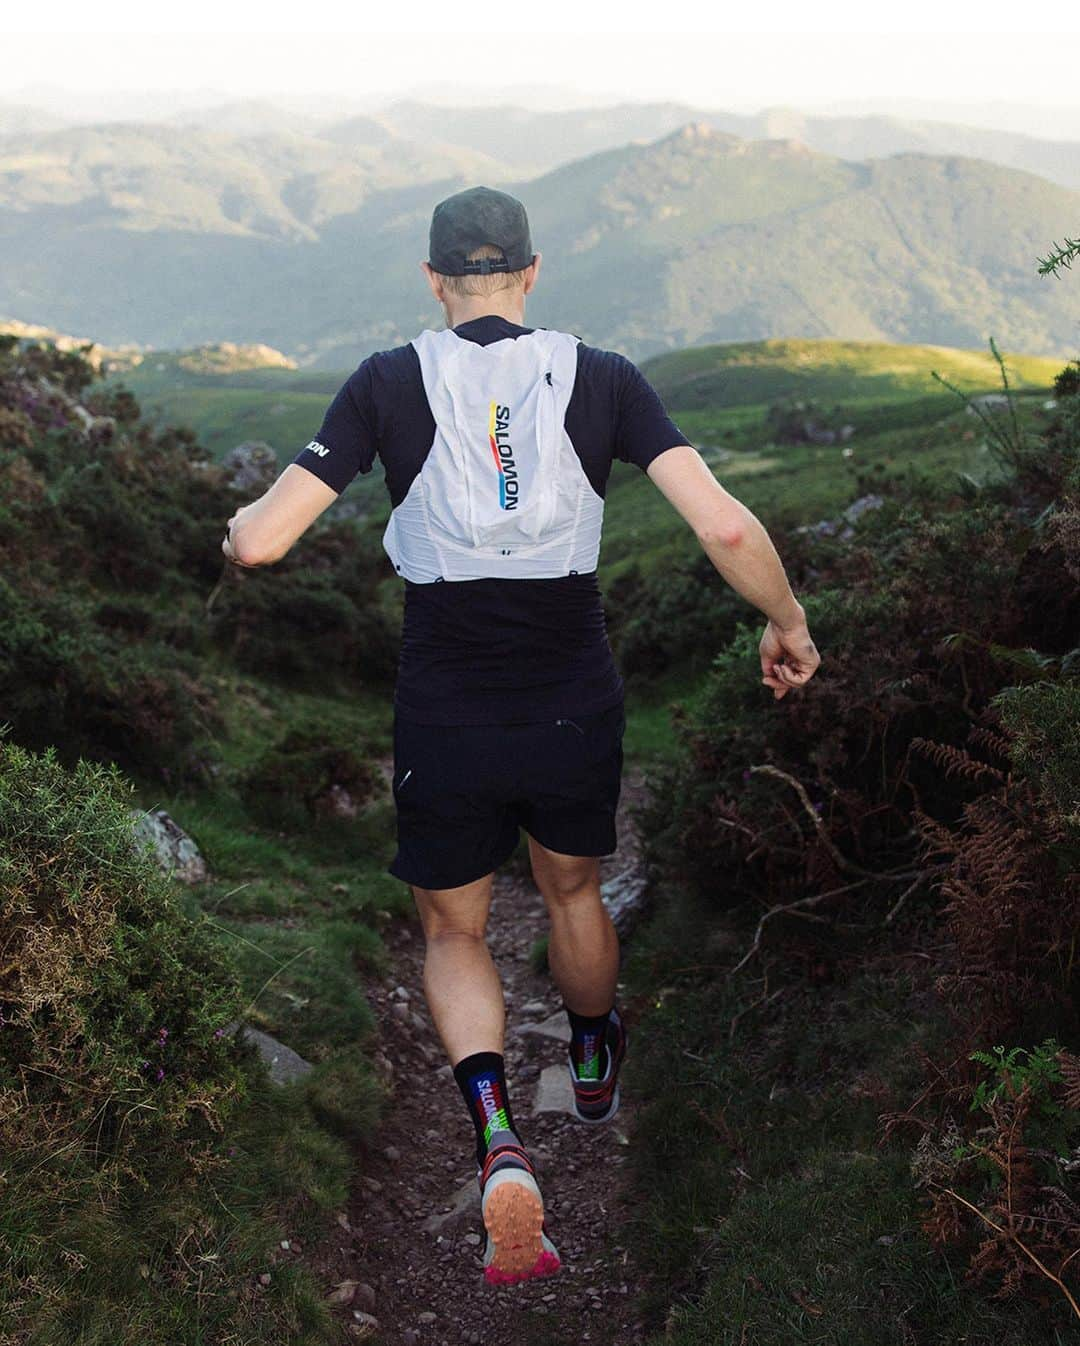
(402, 1263)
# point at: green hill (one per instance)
(714, 391)
(745, 373)
(701, 237)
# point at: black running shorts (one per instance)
(462, 792)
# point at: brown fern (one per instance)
(1070, 1074)
(957, 761)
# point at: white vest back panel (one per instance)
(502, 491)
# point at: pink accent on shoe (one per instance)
(546, 1265)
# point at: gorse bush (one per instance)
(113, 1050)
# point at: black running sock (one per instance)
(588, 1043)
(482, 1081)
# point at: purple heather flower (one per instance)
(145, 1065)
(160, 1074)
(218, 1032)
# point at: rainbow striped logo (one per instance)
(503, 453)
(490, 1105)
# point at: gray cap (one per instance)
(466, 221)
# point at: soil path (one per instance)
(406, 1252)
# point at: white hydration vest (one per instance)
(502, 491)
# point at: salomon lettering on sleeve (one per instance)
(345, 443)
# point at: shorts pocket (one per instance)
(591, 741)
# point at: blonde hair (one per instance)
(483, 285)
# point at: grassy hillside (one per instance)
(244, 707)
(701, 237)
(756, 372)
(718, 393)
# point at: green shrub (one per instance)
(110, 551)
(89, 692)
(315, 617)
(928, 614)
(675, 615)
(1044, 721)
(304, 780)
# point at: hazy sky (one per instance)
(943, 52)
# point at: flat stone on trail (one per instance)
(464, 1199)
(553, 1092)
(555, 1026)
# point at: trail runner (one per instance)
(496, 441)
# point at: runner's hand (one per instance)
(789, 658)
(226, 543)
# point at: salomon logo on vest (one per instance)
(499, 437)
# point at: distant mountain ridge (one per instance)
(181, 236)
(534, 142)
(527, 141)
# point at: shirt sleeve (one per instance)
(346, 443)
(643, 428)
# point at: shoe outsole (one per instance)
(518, 1249)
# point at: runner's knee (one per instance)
(443, 919)
(566, 880)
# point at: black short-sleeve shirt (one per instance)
(494, 650)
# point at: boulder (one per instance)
(994, 403)
(861, 506)
(832, 527)
(174, 850)
(283, 1063)
(251, 466)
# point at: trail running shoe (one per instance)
(518, 1248)
(598, 1100)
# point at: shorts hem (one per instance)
(586, 850)
(407, 873)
